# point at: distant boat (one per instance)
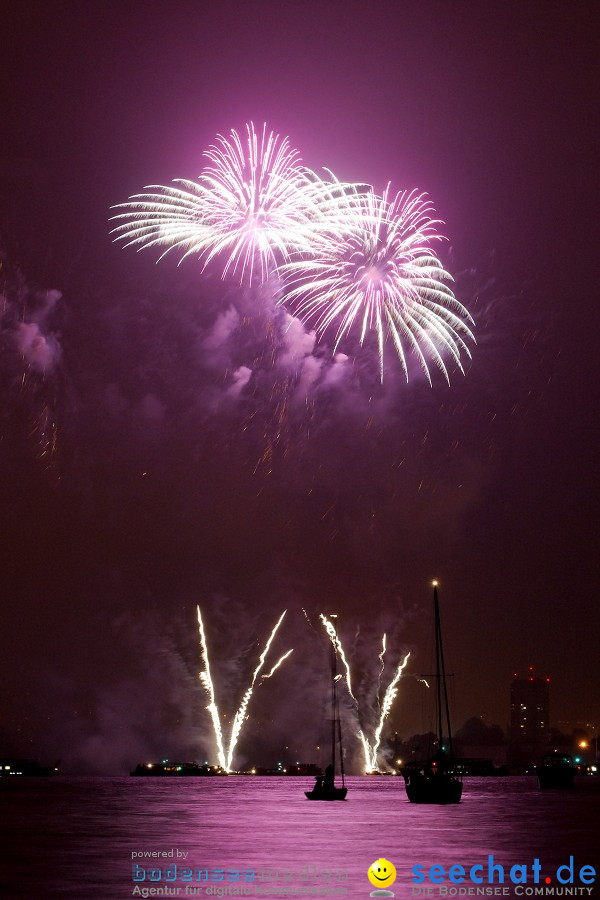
(175, 769)
(433, 781)
(325, 788)
(556, 771)
(27, 768)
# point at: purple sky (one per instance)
(169, 486)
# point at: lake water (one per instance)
(74, 837)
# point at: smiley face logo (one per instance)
(381, 873)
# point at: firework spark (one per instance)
(330, 629)
(240, 715)
(209, 687)
(382, 661)
(375, 271)
(307, 619)
(253, 206)
(226, 758)
(389, 697)
(370, 751)
(277, 664)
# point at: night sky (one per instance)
(138, 478)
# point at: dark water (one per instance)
(73, 837)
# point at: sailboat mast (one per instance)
(438, 662)
(441, 674)
(339, 730)
(333, 698)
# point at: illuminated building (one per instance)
(529, 709)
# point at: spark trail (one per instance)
(277, 664)
(370, 750)
(209, 687)
(240, 715)
(381, 658)
(226, 758)
(389, 697)
(330, 628)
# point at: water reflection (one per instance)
(74, 837)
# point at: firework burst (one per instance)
(351, 260)
(253, 206)
(374, 269)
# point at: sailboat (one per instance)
(556, 772)
(432, 781)
(325, 788)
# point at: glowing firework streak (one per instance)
(366, 750)
(253, 206)
(277, 664)
(307, 619)
(390, 696)
(208, 686)
(370, 751)
(338, 646)
(226, 760)
(333, 636)
(377, 272)
(381, 655)
(240, 715)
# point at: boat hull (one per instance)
(25, 768)
(556, 772)
(562, 782)
(332, 794)
(556, 778)
(440, 789)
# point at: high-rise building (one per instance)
(529, 709)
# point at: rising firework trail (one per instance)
(277, 664)
(333, 636)
(209, 687)
(389, 697)
(240, 715)
(308, 620)
(382, 660)
(370, 750)
(225, 759)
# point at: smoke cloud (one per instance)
(207, 448)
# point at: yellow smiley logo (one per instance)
(381, 873)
